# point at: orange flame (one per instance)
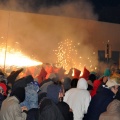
(16, 58)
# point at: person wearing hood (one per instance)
(105, 77)
(113, 109)
(49, 111)
(11, 109)
(78, 99)
(67, 83)
(54, 91)
(14, 74)
(65, 110)
(22, 82)
(31, 95)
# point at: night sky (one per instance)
(106, 10)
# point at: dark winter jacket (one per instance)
(65, 110)
(99, 104)
(22, 82)
(12, 77)
(49, 111)
(32, 114)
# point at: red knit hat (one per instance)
(4, 87)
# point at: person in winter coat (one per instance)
(32, 114)
(102, 99)
(22, 82)
(54, 90)
(14, 74)
(11, 109)
(78, 99)
(49, 111)
(113, 109)
(66, 83)
(65, 110)
(31, 95)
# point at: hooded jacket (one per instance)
(31, 96)
(12, 77)
(78, 99)
(22, 82)
(49, 111)
(113, 111)
(11, 110)
(65, 110)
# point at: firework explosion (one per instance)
(71, 55)
(15, 57)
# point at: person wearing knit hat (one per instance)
(104, 78)
(11, 109)
(107, 72)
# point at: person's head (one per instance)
(92, 77)
(1, 73)
(3, 78)
(114, 67)
(19, 93)
(105, 79)
(54, 92)
(67, 83)
(114, 89)
(106, 75)
(74, 83)
(9, 84)
(113, 83)
(82, 84)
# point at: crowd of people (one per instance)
(58, 96)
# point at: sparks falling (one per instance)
(69, 55)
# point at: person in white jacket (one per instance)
(78, 99)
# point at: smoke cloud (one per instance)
(39, 35)
(78, 9)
